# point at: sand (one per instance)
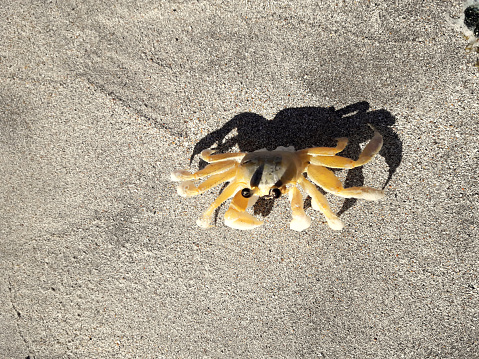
(101, 101)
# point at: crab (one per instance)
(276, 173)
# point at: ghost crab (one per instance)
(274, 173)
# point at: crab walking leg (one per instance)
(236, 217)
(228, 192)
(207, 155)
(211, 169)
(188, 188)
(320, 203)
(326, 151)
(371, 149)
(329, 182)
(300, 219)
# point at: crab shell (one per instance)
(275, 173)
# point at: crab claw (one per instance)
(300, 223)
(237, 218)
(241, 220)
(300, 220)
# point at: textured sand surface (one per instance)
(101, 101)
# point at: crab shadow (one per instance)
(305, 127)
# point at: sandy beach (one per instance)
(101, 258)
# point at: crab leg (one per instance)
(236, 217)
(207, 156)
(371, 149)
(330, 183)
(211, 169)
(320, 203)
(326, 151)
(300, 219)
(188, 188)
(228, 192)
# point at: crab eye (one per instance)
(275, 192)
(246, 193)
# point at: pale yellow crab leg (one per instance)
(300, 219)
(236, 217)
(228, 192)
(330, 183)
(326, 151)
(320, 203)
(207, 155)
(371, 149)
(188, 188)
(211, 169)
